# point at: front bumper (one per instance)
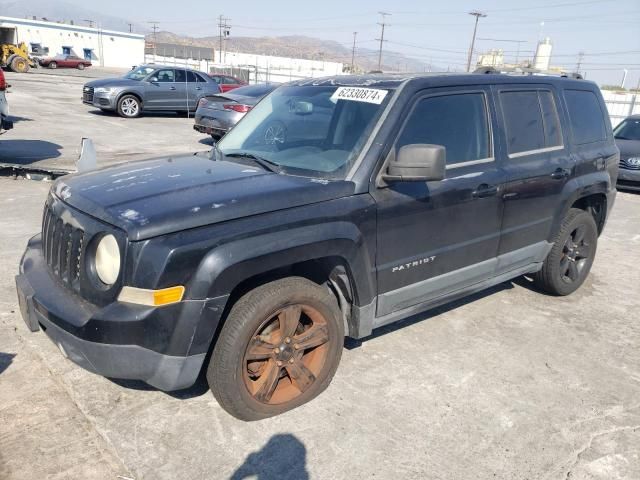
(629, 179)
(163, 346)
(105, 101)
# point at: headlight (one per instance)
(106, 90)
(108, 260)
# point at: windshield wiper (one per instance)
(263, 162)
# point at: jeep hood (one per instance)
(160, 196)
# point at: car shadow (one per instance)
(283, 457)
(24, 152)
(5, 361)
(15, 119)
(168, 114)
(199, 388)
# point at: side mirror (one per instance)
(153, 80)
(419, 162)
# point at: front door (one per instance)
(438, 237)
(161, 91)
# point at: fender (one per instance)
(577, 188)
(222, 269)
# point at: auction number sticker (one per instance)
(358, 94)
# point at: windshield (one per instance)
(628, 130)
(314, 131)
(139, 73)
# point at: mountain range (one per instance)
(283, 46)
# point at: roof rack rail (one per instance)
(526, 71)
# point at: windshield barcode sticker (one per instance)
(358, 94)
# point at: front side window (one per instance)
(457, 122)
(180, 76)
(586, 116)
(314, 131)
(165, 76)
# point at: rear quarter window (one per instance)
(585, 116)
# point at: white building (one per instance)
(259, 68)
(105, 48)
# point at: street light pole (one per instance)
(476, 14)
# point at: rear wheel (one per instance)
(279, 348)
(19, 65)
(569, 262)
(53, 65)
(129, 106)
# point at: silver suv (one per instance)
(150, 87)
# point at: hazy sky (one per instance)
(437, 32)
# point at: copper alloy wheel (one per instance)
(286, 354)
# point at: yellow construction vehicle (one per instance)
(16, 57)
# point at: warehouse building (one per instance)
(105, 48)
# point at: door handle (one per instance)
(198, 88)
(484, 190)
(560, 174)
(172, 88)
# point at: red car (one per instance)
(65, 61)
(227, 82)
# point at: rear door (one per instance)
(535, 156)
(182, 95)
(194, 90)
(438, 237)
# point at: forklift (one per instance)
(16, 57)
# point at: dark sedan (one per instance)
(627, 135)
(216, 114)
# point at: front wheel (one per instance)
(279, 348)
(81, 66)
(53, 65)
(129, 106)
(569, 261)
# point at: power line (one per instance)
(382, 24)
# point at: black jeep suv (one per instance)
(334, 207)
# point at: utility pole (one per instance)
(478, 15)
(580, 57)
(223, 33)
(130, 27)
(154, 26)
(353, 52)
(382, 24)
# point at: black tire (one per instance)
(571, 257)
(53, 65)
(81, 66)
(229, 369)
(129, 106)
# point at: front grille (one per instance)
(62, 246)
(87, 94)
(627, 166)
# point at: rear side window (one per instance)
(191, 77)
(587, 123)
(523, 121)
(457, 122)
(552, 132)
